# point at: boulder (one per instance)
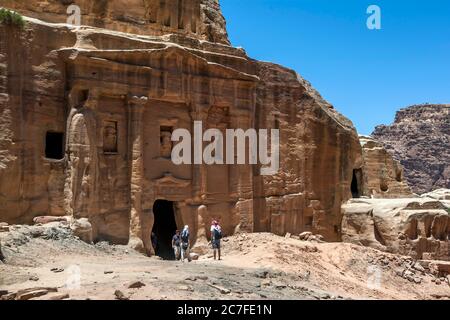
(309, 236)
(408, 226)
(136, 285)
(194, 256)
(48, 219)
(82, 228)
(63, 296)
(27, 294)
(120, 295)
(440, 268)
(304, 236)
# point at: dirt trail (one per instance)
(255, 266)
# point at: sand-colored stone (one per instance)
(115, 96)
(419, 227)
(201, 19)
(382, 176)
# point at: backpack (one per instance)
(185, 236)
(217, 234)
(176, 240)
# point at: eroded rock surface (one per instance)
(200, 19)
(420, 139)
(381, 176)
(419, 227)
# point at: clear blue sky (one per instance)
(366, 74)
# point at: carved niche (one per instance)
(110, 137)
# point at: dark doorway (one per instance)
(54, 145)
(356, 183)
(164, 228)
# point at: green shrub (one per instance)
(11, 18)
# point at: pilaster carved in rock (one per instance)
(136, 157)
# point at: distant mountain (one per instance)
(420, 139)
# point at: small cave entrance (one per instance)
(356, 183)
(384, 187)
(399, 176)
(54, 145)
(164, 228)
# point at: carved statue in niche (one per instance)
(79, 164)
(166, 142)
(110, 136)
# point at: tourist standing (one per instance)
(176, 242)
(216, 236)
(185, 243)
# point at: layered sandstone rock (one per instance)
(420, 139)
(382, 176)
(419, 227)
(440, 194)
(86, 113)
(319, 151)
(201, 19)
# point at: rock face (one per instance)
(87, 114)
(420, 139)
(419, 227)
(381, 176)
(201, 19)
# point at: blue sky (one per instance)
(366, 74)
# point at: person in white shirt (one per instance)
(185, 244)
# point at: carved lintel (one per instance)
(170, 181)
(172, 187)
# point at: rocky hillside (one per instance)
(420, 139)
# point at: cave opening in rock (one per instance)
(164, 228)
(356, 183)
(399, 176)
(384, 187)
(54, 145)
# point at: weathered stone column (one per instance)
(199, 179)
(136, 162)
(202, 225)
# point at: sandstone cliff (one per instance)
(196, 18)
(420, 139)
(104, 101)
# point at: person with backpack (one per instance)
(216, 236)
(185, 243)
(176, 241)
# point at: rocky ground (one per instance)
(46, 262)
